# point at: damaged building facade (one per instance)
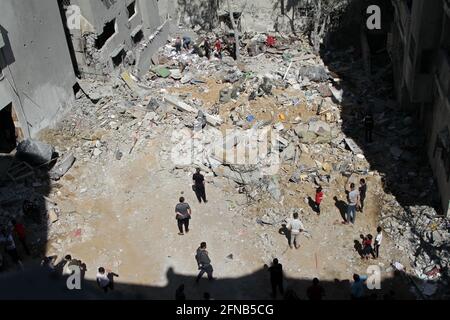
(46, 44)
(37, 78)
(107, 34)
(420, 53)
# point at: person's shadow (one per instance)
(358, 248)
(312, 204)
(286, 232)
(342, 206)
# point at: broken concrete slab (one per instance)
(62, 166)
(353, 146)
(95, 91)
(314, 73)
(181, 105)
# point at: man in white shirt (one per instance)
(378, 240)
(295, 226)
(105, 280)
(354, 201)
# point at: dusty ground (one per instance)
(128, 225)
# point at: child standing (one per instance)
(319, 198)
(378, 240)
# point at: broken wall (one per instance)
(38, 77)
(111, 32)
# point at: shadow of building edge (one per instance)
(378, 157)
(36, 284)
(38, 188)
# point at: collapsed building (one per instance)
(45, 45)
(419, 46)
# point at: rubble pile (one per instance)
(420, 233)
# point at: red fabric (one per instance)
(20, 230)
(319, 197)
(218, 45)
(270, 41)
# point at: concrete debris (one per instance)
(212, 120)
(313, 73)
(35, 152)
(62, 166)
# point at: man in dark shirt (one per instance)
(199, 186)
(183, 214)
(362, 193)
(276, 277)
(316, 291)
(204, 263)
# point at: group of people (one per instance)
(369, 246)
(65, 268)
(14, 230)
(356, 198)
(205, 48)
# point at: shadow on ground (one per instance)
(23, 197)
(36, 283)
(398, 149)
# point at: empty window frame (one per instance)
(108, 31)
(131, 8)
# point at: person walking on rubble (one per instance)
(178, 45)
(204, 263)
(186, 43)
(218, 48)
(368, 125)
(199, 186)
(353, 203)
(362, 193)
(183, 215)
(207, 47)
(295, 227)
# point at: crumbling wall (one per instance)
(97, 56)
(38, 74)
